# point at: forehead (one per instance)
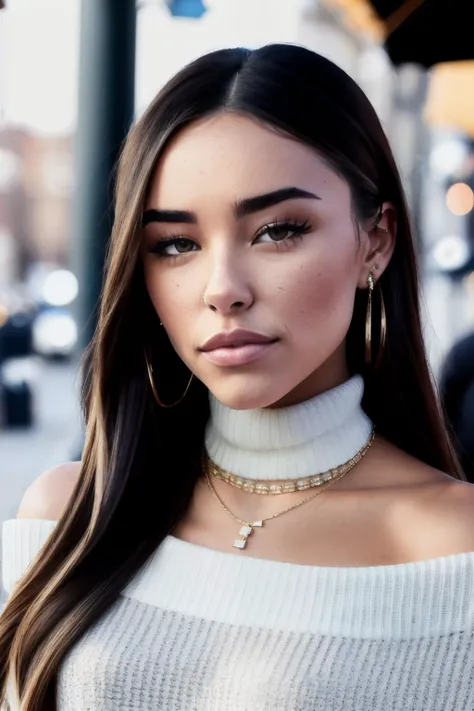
(227, 157)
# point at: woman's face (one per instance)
(249, 232)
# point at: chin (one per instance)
(247, 397)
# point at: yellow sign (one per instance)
(359, 16)
(450, 100)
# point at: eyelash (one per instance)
(298, 229)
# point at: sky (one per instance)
(39, 51)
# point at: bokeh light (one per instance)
(451, 253)
(460, 199)
(3, 315)
(60, 288)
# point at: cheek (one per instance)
(163, 288)
(173, 298)
(320, 298)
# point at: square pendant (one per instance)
(239, 543)
(245, 531)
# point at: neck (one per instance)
(290, 442)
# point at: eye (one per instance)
(281, 231)
(172, 246)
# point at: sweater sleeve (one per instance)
(22, 540)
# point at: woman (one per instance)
(259, 317)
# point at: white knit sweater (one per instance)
(202, 630)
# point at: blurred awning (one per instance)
(424, 32)
(358, 16)
(427, 32)
(450, 100)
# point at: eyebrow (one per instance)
(241, 208)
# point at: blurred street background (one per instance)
(74, 75)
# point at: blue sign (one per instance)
(187, 8)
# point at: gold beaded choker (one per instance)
(248, 527)
(287, 486)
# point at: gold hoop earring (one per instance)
(160, 402)
(368, 323)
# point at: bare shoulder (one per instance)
(48, 495)
(438, 516)
(428, 513)
(452, 503)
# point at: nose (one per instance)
(228, 290)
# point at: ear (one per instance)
(380, 244)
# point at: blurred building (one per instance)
(36, 186)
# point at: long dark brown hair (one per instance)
(140, 462)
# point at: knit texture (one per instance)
(286, 443)
(199, 629)
(204, 630)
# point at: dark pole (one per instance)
(106, 107)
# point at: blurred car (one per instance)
(17, 369)
(53, 289)
(54, 332)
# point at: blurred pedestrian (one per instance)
(268, 513)
(457, 393)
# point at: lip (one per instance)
(234, 339)
(238, 355)
(237, 347)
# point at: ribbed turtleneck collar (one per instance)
(290, 442)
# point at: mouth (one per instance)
(237, 347)
(239, 354)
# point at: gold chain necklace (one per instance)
(247, 527)
(255, 486)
